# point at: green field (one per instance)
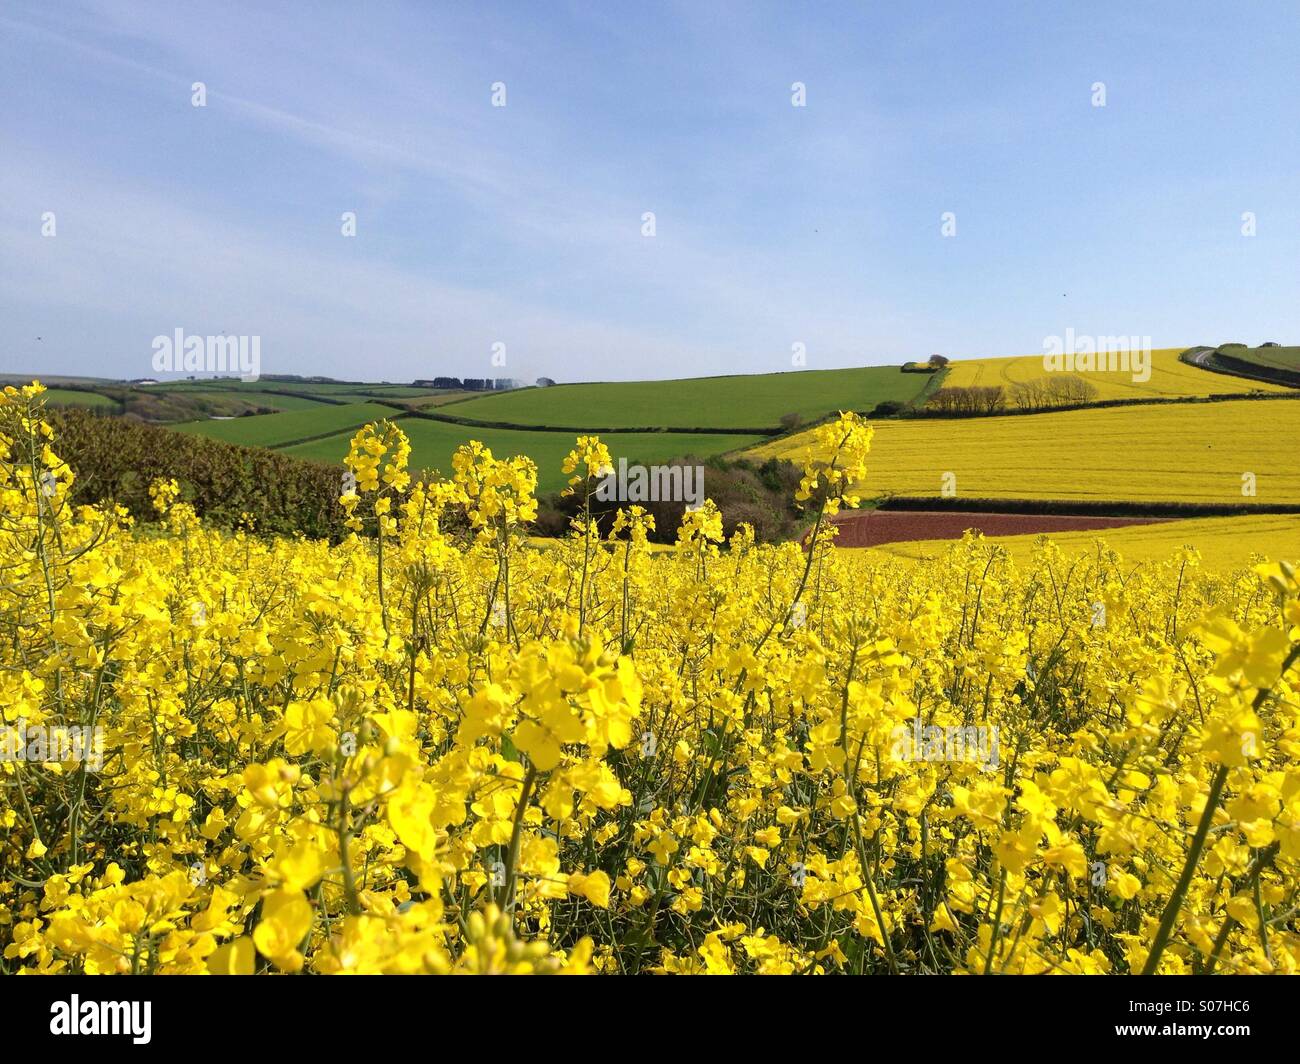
(395, 391)
(405, 396)
(1282, 363)
(424, 402)
(73, 397)
(209, 401)
(238, 395)
(281, 402)
(434, 442)
(272, 430)
(227, 384)
(327, 389)
(758, 401)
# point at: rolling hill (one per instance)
(741, 402)
(1275, 364)
(295, 426)
(1170, 377)
(1194, 453)
(434, 442)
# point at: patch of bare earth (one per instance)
(874, 527)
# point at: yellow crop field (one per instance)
(1223, 543)
(1161, 453)
(426, 749)
(1169, 377)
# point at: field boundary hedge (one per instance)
(1170, 400)
(117, 459)
(588, 430)
(305, 395)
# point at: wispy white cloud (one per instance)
(182, 263)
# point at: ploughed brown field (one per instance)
(875, 527)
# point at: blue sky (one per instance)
(522, 224)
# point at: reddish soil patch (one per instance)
(875, 527)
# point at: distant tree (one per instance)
(990, 400)
(938, 361)
(945, 400)
(790, 422)
(968, 401)
(545, 382)
(1031, 394)
(1069, 391)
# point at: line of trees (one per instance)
(1040, 393)
(1043, 393)
(469, 384)
(967, 400)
